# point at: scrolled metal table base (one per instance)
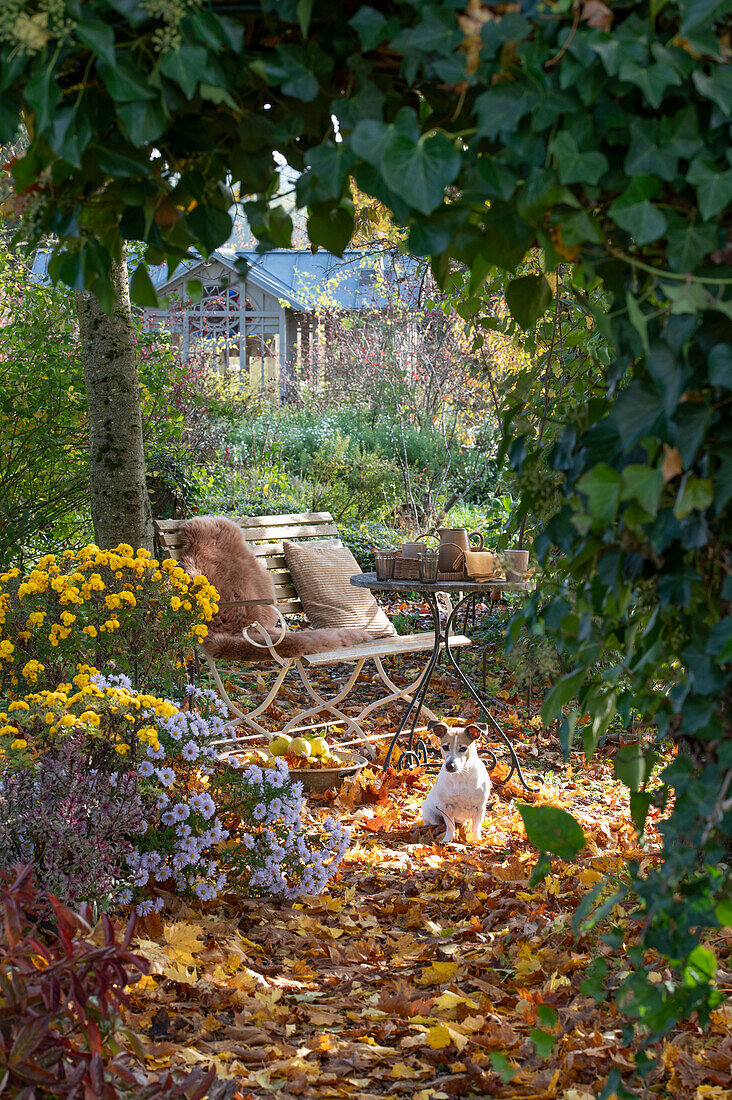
(417, 752)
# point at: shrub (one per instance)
(363, 538)
(73, 822)
(101, 607)
(44, 475)
(205, 829)
(60, 995)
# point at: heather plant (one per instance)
(119, 608)
(74, 823)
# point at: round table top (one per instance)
(369, 580)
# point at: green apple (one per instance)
(300, 747)
(281, 744)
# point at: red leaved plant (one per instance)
(61, 987)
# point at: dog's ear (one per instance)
(437, 727)
(475, 731)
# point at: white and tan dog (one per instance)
(462, 789)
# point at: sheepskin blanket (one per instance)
(216, 548)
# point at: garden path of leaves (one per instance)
(424, 972)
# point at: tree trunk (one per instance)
(120, 504)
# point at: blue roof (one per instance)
(355, 281)
(303, 279)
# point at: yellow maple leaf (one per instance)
(182, 941)
(442, 1035)
(449, 1000)
(437, 973)
(438, 1037)
(177, 973)
(400, 1071)
(527, 963)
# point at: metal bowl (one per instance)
(325, 779)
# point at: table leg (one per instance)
(419, 695)
(515, 765)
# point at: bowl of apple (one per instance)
(311, 760)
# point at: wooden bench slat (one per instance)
(382, 647)
(300, 530)
(285, 592)
(286, 520)
(289, 607)
(275, 549)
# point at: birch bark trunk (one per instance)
(120, 504)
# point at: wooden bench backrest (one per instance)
(264, 534)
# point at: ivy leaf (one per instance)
(716, 86)
(701, 966)
(210, 225)
(650, 152)
(143, 119)
(185, 66)
(713, 186)
(142, 291)
(502, 1067)
(563, 690)
(304, 15)
(371, 26)
(574, 166)
(688, 245)
(289, 71)
(42, 94)
(70, 133)
(633, 765)
(495, 179)
(720, 366)
(644, 484)
(194, 289)
(602, 486)
(528, 298)
(119, 164)
(694, 493)
(552, 829)
(543, 1042)
(500, 109)
(332, 229)
(636, 412)
(653, 80)
(640, 804)
(634, 212)
(99, 37)
(420, 171)
(124, 83)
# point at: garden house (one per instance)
(259, 316)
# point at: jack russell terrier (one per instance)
(462, 788)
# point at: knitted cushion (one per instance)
(322, 579)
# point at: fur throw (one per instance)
(216, 548)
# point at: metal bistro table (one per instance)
(417, 751)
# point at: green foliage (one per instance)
(43, 457)
(603, 138)
(352, 485)
(552, 830)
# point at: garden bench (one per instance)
(264, 535)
